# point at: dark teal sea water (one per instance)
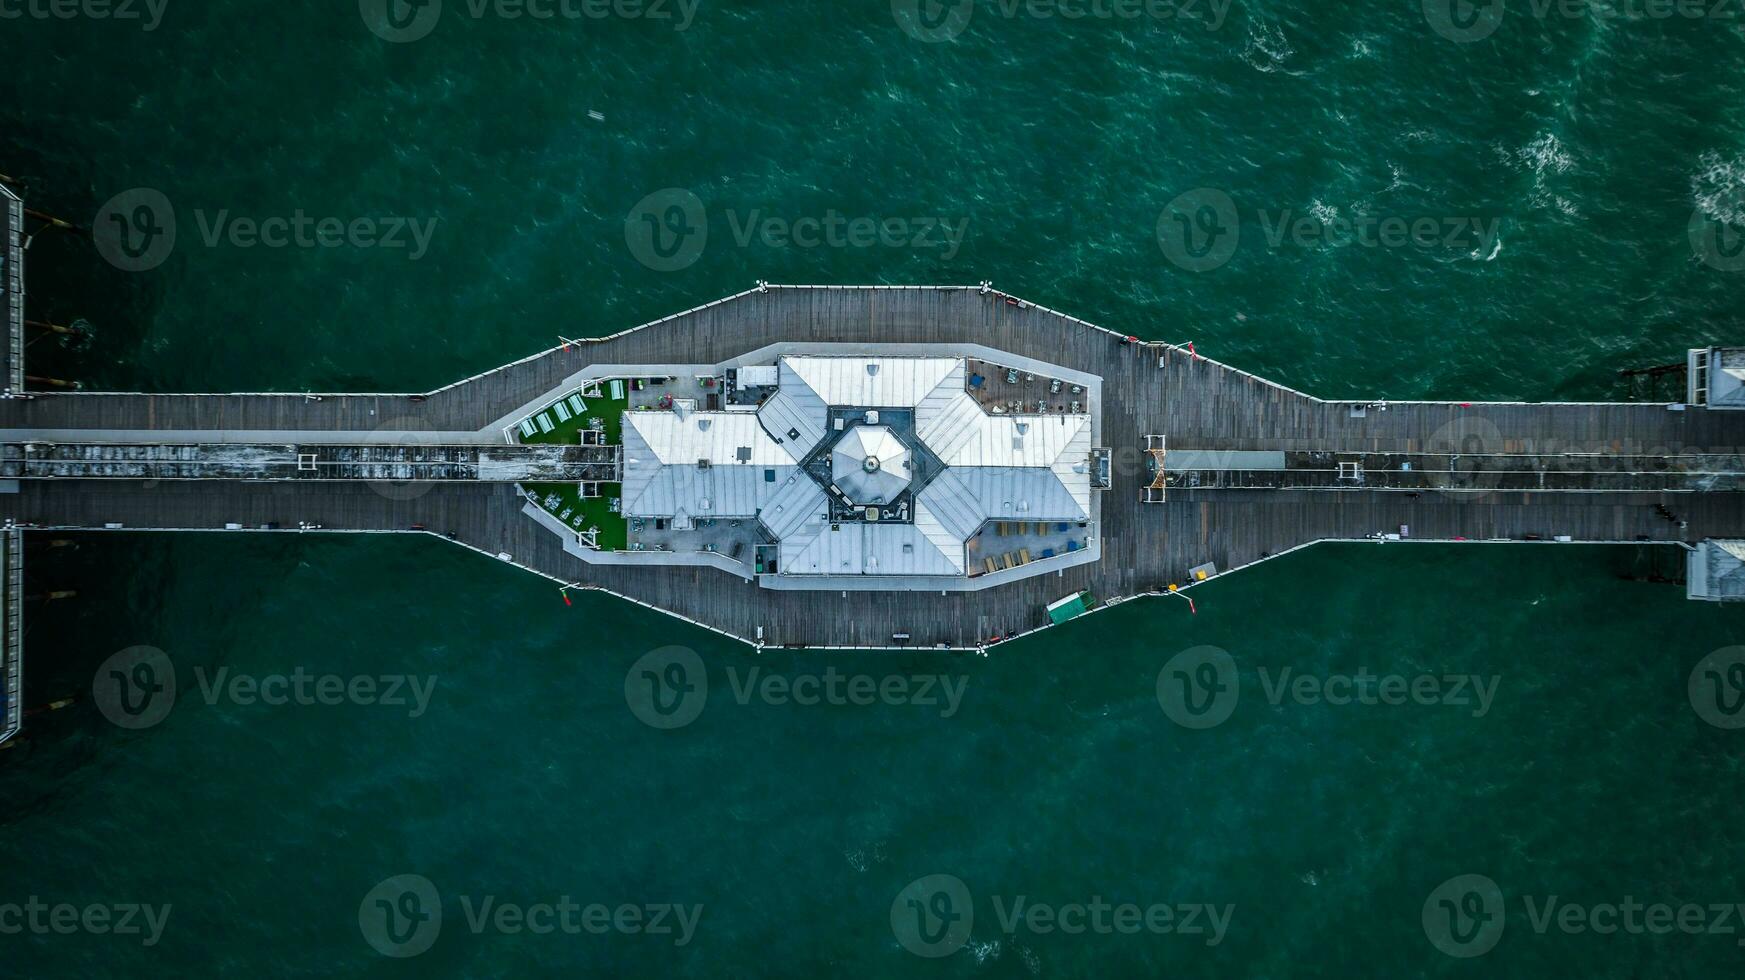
(1588, 143)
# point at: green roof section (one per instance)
(1071, 607)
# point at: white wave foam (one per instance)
(984, 951)
(1546, 154)
(1268, 48)
(1544, 157)
(1718, 187)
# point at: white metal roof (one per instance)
(798, 500)
(758, 375)
(869, 549)
(998, 467)
(1009, 493)
(1727, 377)
(1013, 440)
(945, 418)
(796, 415)
(701, 464)
(870, 464)
(871, 382)
(1727, 561)
(1034, 467)
(1716, 570)
(946, 511)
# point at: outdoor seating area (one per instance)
(599, 406)
(736, 539)
(592, 510)
(1002, 545)
(662, 393)
(554, 416)
(1002, 390)
(588, 416)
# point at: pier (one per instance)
(12, 296)
(1210, 469)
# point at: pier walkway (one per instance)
(1480, 472)
(136, 459)
(12, 293)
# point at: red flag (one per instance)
(566, 597)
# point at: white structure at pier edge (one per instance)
(1715, 571)
(1715, 377)
(861, 465)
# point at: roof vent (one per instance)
(872, 369)
(703, 424)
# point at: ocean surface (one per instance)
(1561, 157)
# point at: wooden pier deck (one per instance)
(384, 462)
(1147, 389)
(12, 646)
(12, 290)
